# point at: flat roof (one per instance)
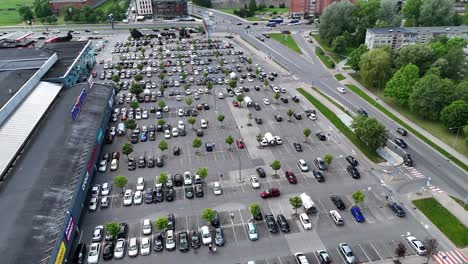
(11, 82)
(459, 29)
(67, 53)
(40, 185)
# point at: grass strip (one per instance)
(372, 155)
(371, 101)
(339, 77)
(331, 100)
(286, 40)
(460, 202)
(324, 58)
(444, 220)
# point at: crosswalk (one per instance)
(414, 172)
(450, 257)
(435, 189)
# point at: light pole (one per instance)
(456, 137)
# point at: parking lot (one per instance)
(371, 241)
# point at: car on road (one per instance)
(254, 182)
(302, 165)
(352, 161)
(401, 143)
(397, 209)
(145, 246)
(347, 253)
(119, 250)
(324, 257)
(338, 202)
(357, 214)
(362, 112)
(271, 223)
(184, 245)
(321, 136)
(341, 89)
(258, 120)
(206, 235)
(318, 175)
(272, 192)
(94, 253)
(283, 223)
(408, 160)
(305, 221)
(417, 245)
(353, 171)
(266, 101)
(401, 131)
(290, 177)
(252, 231)
(261, 172)
(297, 146)
(128, 197)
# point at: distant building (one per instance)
(299, 8)
(144, 7)
(320, 5)
(399, 37)
(58, 5)
(169, 9)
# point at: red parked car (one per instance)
(272, 192)
(240, 144)
(235, 103)
(291, 177)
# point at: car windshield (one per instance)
(349, 254)
(93, 251)
(146, 245)
(305, 220)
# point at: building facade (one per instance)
(299, 8)
(399, 37)
(144, 7)
(169, 9)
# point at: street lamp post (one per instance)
(456, 137)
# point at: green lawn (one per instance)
(286, 40)
(460, 202)
(339, 77)
(329, 63)
(9, 11)
(337, 57)
(435, 128)
(444, 220)
(104, 7)
(372, 155)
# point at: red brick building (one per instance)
(320, 5)
(58, 5)
(299, 8)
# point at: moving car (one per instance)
(408, 160)
(272, 192)
(261, 172)
(357, 214)
(341, 89)
(305, 221)
(417, 245)
(362, 112)
(347, 253)
(397, 209)
(353, 171)
(401, 131)
(352, 161)
(401, 143)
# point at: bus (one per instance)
(276, 20)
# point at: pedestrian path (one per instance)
(436, 189)
(414, 172)
(450, 257)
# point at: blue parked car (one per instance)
(356, 212)
(143, 136)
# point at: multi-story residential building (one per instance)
(399, 37)
(168, 9)
(144, 7)
(299, 8)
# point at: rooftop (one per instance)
(67, 52)
(460, 29)
(38, 188)
(11, 82)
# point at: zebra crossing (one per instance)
(414, 172)
(450, 257)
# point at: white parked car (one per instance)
(133, 247)
(266, 101)
(416, 245)
(347, 253)
(187, 178)
(103, 166)
(203, 123)
(140, 186)
(341, 90)
(114, 164)
(180, 112)
(170, 240)
(144, 115)
(178, 97)
(175, 132)
(106, 187)
(145, 247)
(181, 125)
(254, 181)
(252, 230)
(302, 165)
(220, 96)
(119, 249)
(128, 197)
(206, 235)
(217, 190)
(146, 227)
(94, 253)
(167, 134)
(93, 204)
(278, 140)
(305, 221)
(97, 234)
(105, 202)
(137, 198)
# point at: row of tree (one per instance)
(204, 3)
(427, 78)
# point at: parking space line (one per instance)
(341, 256)
(242, 219)
(267, 258)
(375, 250)
(189, 156)
(324, 208)
(186, 222)
(233, 229)
(281, 262)
(365, 253)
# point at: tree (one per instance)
(249, 119)
(120, 181)
(221, 119)
(388, 14)
(252, 5)
(136, 89)
(455, 66)
(276, 96)
(140, 66)
(296, 203)
(419, 54)
(275, 165)
(370, 131)
(375, 66)
(461, 91)
(202, 172)
(455, 115)
(138, 77)
(162, 104)
(161, 76)
(134, 105)
(432, 247)
(240, 99)
(191, 120)
(209, 85)
(339, 44)
(135, 33)
(255, 209)
(266, 83)
(328, 158)
(161, 223)
(249, 60)
(188, 100)
(355, 57)
(307, 133)
(259, 138)
(367, 13)
(127, 149)
(337, 19)
(112, 228)
(232, 83)
(430, 95)
(411, 10)
(161, 122)
(208, 214)
(229, 140)
(400, 86)
(358, 197)
(26, 13)
(163, 146)
(196, 143)
(436, 13)
(130, 124)
(400, 250)
(290, 113)
(163, 178)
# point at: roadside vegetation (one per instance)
(254, 12)
(286, 40)
(339, 77)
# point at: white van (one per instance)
(308, 204)
(336, 217)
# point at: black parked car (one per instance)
(170, 194)
(353, 171)
(283, 223)
(219, 237)
(318, 175)
(80, 254)
(352, 161)
(257, 107)
(171, 222)
(284, 100)
(108, 250)
(150, 162)
(189, 192)
(159, 162)
(141, 162)
(258, 120)
(338, 202)
(176, 151)
(195, 240)
(297, 147)
(149, 197)
(271, 223)
(261, 172)
(158, 194)
(215, 222)
(199, 190)
(408, 160)
(183, 242)
(123, 231)
(131, 164)
(297, 116)
(158, 243)
(321, 136)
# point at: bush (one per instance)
(275, 13)
(271, 6)
(282, 5)
(319, 51)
